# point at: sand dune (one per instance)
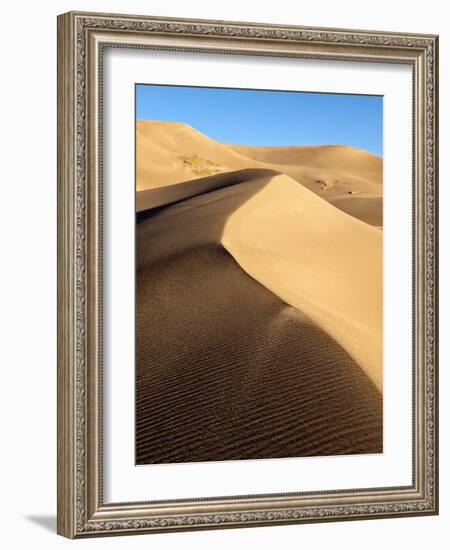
(342, 158)
(368, 208)
(169, 152)
(237, 374)
(162, 196)
(253, 324)
(310, 254)
(316, 258)
(258, 299)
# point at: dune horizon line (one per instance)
(271, 145)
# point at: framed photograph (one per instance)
(247, 274)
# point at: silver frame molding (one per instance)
(81, 39)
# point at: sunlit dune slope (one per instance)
(170, 152)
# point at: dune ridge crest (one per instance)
(299, 247)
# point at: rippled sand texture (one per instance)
(258, 300)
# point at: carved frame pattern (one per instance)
(80, 508)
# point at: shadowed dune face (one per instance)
(168, 153)
(226, 368)
(236, 373)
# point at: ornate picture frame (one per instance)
(82, 39)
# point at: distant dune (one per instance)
(348, 160)
(258, 299)
(172, 152)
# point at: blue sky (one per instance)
(259, 117)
